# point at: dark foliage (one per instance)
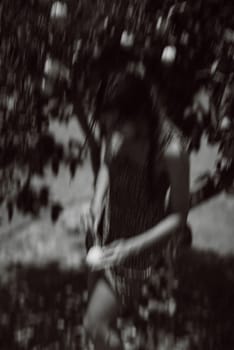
(44, 307)
(49, 59)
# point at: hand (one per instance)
(114, 254)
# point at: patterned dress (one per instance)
(129, 212)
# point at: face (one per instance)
(129, 129)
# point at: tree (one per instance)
(55, 53)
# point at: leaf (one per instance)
(56, 210)
(10, 210)
(44, 196)
(73, 166)
(55, 163)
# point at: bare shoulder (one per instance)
(176, 161)
(175, 149)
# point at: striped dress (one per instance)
(130, 212)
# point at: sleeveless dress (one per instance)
(129, 212)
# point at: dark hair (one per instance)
(128, 94)
(131, 97)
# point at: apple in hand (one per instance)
(94, 256)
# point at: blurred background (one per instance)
(55, 60)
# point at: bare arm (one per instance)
(101, 187)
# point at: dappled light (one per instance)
(60, 61)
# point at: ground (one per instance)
(42, 284)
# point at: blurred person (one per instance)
(143, 158)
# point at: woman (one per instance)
(142, 159)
